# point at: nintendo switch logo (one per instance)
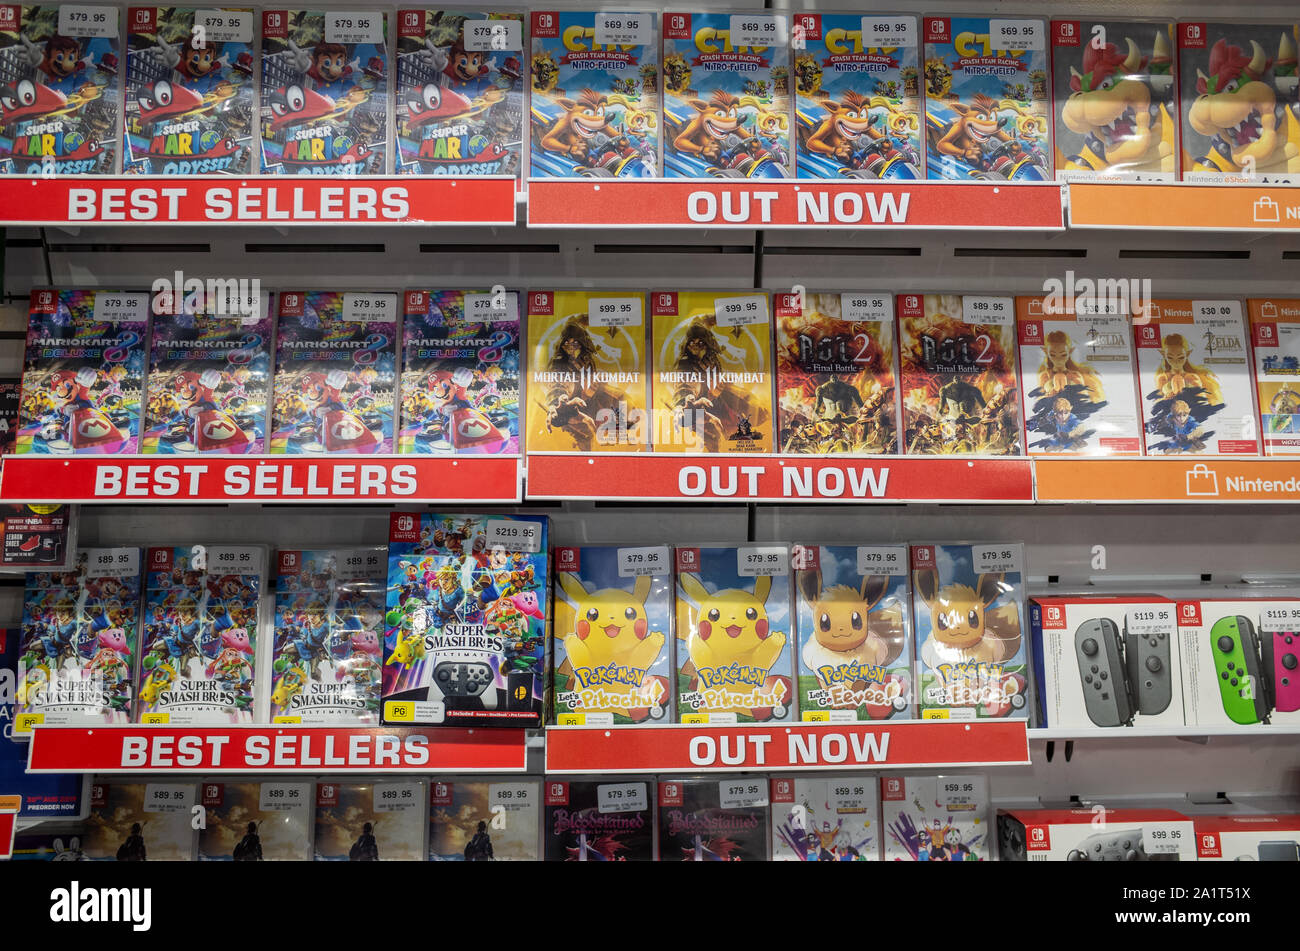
(1191, 36)
(1031, 333)
(782, 790)
(789, 305)
(1207, 846)
(142, 19)
(557, 794)
(1148, 336)
(327, 794)
(275, 24)
(566, 559)
(1066, 33)
(1053, 618)
(810, 24)
(291, 305)
(288, 561)
(212, 794)
(410, 23)
(440, 794)
(663, 304)
(688, 559)
(546, 25)
(892, 789)
(937, 30)
(805, 558)
(677, 26)
(541, 303)
(670, 794)
(909, 305)
(922, 556)
(405, 523)
(9, 18)
(415, 302)
(403, 528)
(1189, 614)
(43, 302)
(1266, 335)
(1037, 839)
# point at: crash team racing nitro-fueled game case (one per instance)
(484, 821)
(59, 106)
(599, 822)
(189, 91)
(825, 820)
(958, 375)
(460, 94)
(1275, 333)
(460, 373)
(836, 373)
(727, 95)
(83, 372)
(595, 95)
(857, 96)
(325, 92)
(987, 104)
(465, 641)
(335, 372)
(710, 820)
(256, 821)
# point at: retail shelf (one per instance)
(1184, 206)
(779, 747)
(274, 749)
(1124, 734)
(1216, 479)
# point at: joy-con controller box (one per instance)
(1264, 838)
(1094, 835)
(1105, 662)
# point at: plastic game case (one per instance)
(484, 820)
(268, 821)
(385, 821)
(702, 820)
(140, 822)
(584, 822)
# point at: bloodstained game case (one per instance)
(710, 820)
(583, 825)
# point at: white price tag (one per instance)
(850, 795)
(112, 307)
(963, 793)
(488, 35)
(621, 797)
(622, 29)
(751, 561)
(511, 797)
(1099, 308)
(877, 308)
(738, 311)
(1279, 620)
(361, 563)
(1162, 838)
(397, 797)
(1145, 622)
(513, 535)
(633, 562)
(112, 562)
(995, 559)
(994, 311)
(168, 797)
(888, 32)
(283, 797)
(1216, 310)
(235, 560)
(742, 793)
(225, 26)
(354, 27)
(492, 308)
(1016, 35)
(87, 21)
(882, 560)
(370, 308)
(756, 29)
(615, 312)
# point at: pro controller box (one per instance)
(1247, 838)
(1094, 835)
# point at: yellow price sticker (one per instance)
(24, 722)
(934, 715)
(817, 716)
(399, 711)
(695, 718)
(571, 719)
(286, 720)
(156, 719)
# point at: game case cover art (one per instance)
(460, 377)
(825, 820)
(836, 374)
(189, 91)
(484, 821)
(987, 102)
(59, 90)
(748, 675)
(922, 826)
(326, 660)
(209, 381)
(857, 97)
(140, 822)
(704, 820)
(855, 656)
(958, 375)
(971, 657)
(1078, 380)
(465, 631)
(594, 109)
(371, 822)
(586, 375)
(324, 93)
(256, 821)
(589, 821)
(83, 373)
(613, 635)
(198, 660)
(1275, 332)
(335, 373)
(726, 97)
(11, 393)
(1115, 100)
(1240, 107)
(460, 94)
(1194, 375)
(50, 842)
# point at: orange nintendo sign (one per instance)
(1184, 207)
(1184, 479)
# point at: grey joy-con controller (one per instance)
(1100, 654)
(1149, 676)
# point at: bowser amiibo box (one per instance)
(935, 818)
(748, 675)
(1275, 335)
(1075, 835)
(709, 820)
(140, 822)
(484, 821)
(825, 820)
(852, 621)
(371, 822)
(590, 821)
(1246, 838)
(613, 635)
(256, 821)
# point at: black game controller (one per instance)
(1110, 847)
(457, 680)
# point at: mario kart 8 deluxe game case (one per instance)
(711, 820)
(11, 393)
(857, 96)
(1194, 374)
(852, 626)
(594, 110)
(60, 101)
(1115, 100)
(935, 818)
(825, 820)
(586, 372)
(460, 377)
(484, 821)
(209, 379)
(324, 92)
(326, 660)
(836, 373)
(335, 372)
(1239, 116)
(465, 632)
(371, 822)
(460, 96)
(140, 822)
(987, 104)
(613, 630)
(742, 593)
(589, 821)
(77, 645)
(256, 821)
(958, 375)
(189, 91)
(967, 600)
(83, 373)
(199, 656)
(1275, 333)
(1078, 367)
